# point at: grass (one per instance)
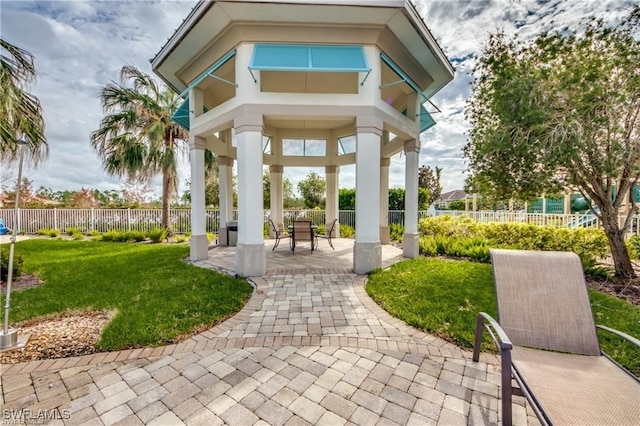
(156, 296)
(443, 297)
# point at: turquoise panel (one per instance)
(181, 115)
(349, 58)
(302, 57)
(426, 121)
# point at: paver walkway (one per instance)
(310, 347)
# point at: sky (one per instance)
(80, 45)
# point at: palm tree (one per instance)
(137, 137)
(20, 111)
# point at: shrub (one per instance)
(633, 247)
(73, 230)
(77, 236)
(462, 237)
(396, 232)
(346, 231)
(4, 264)
(427, 246)
(181, 238)
(136, 236)
(113, 236)
(461, 226)
(211, 236)
(157, 235)
(53, 233)
(93, 233)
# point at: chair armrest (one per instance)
(495, 331)
(625, 336)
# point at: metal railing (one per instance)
(102, 220)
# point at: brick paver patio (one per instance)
(310, 347)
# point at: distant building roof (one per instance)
(455, 195)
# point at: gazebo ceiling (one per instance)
(215, 27)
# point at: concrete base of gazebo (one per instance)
(366, 257)
(410, 247)
(199, 246)
(251, 259)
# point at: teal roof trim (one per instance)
(303, 57)
(426, 120)
(181, 115)
(400, 73)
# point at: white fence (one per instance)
(102, 220)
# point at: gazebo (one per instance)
(306, 83)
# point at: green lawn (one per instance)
(156, 296)
(443, 297)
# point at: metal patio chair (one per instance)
(549, 345)
(329, 234)
(279, 233)
(302, 231)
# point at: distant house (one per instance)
(448, 197)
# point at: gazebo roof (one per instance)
(394, 22)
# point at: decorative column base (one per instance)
(410, 247)
(384, 235)
(366, 257)
(251, 260)
(199, 247)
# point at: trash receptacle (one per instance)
(232, 233)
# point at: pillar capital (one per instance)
(412, 145)
(331, 169)
(369, 124)
(248, 123)
(385, 162)
(276, 169)
(196, 142)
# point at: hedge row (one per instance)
(463, 237)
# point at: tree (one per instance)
(456, 205)
(396, 199)
(211, 181)
(312, 189)
(137, 137)
(430, 180)
(561, 111)
(20, 111)
(347, 199)
(287, 190)
(84, 199)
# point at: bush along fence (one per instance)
(145, 220)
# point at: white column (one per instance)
(367, 252)
(276, 200)
(225, 193)
(384, 200)
(410, 238)
(332, 205)
(198, 243)
(250, 249)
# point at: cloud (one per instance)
(81, 45)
